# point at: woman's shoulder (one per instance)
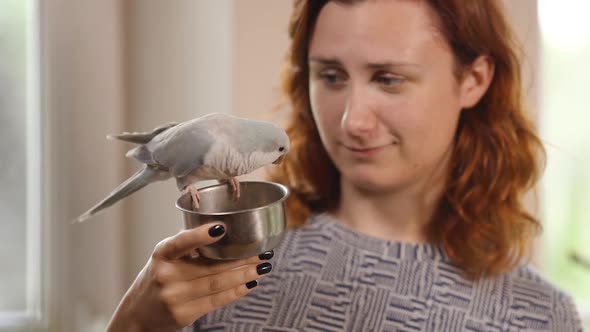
(537, 300)
(528, 280)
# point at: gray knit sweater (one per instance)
(327, 277)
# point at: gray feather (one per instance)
(142, 137)
(182, 149)
(142, 154)
(137, 181)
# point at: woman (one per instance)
(410, 156)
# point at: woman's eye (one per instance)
(331, 77)
(389, 80)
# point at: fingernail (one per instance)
(266, 256)
(251, 284)
(216, 231)
(263, 268)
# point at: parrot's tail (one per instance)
(144, 137)
(140, 179)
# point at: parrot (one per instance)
(215, 146)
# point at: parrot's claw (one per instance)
(194, 195)
(235, 185)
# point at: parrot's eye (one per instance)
(281, 149)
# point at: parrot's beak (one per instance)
(278, 161)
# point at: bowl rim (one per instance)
(284, 188)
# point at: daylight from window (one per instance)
(565, 109)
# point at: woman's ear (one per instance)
(476, 80)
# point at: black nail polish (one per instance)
(251, 284)
(263, 268)
(266, 256)
(216, 231)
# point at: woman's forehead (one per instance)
(384, 30)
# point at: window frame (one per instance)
(34, 316)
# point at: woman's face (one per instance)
(383, 93)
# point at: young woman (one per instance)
(410, 154)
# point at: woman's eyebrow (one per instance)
(370, 65)
(392, 64)
(324, 61)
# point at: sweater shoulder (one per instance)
(534, 295)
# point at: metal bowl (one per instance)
(254, 223)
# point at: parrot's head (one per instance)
(282, 141)
(270, 144)
(281, 146)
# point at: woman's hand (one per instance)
(174, 289)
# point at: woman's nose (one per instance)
(358, 119)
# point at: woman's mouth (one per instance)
(365, 152)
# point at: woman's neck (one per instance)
(399, 215)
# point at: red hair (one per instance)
(480, 221)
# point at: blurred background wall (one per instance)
(110, 66)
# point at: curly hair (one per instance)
(480, 221)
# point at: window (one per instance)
(565, 129)
(20, 235)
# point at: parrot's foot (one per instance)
(194, 195)
(235, 185)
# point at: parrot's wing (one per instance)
(142, 154)
(142, 137)
(137, 181)
(183, 149)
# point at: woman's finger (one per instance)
(187, 313)
(210, 267)
(188, 269)
(186, 241)
(187, 291)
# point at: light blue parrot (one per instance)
(214, 146)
